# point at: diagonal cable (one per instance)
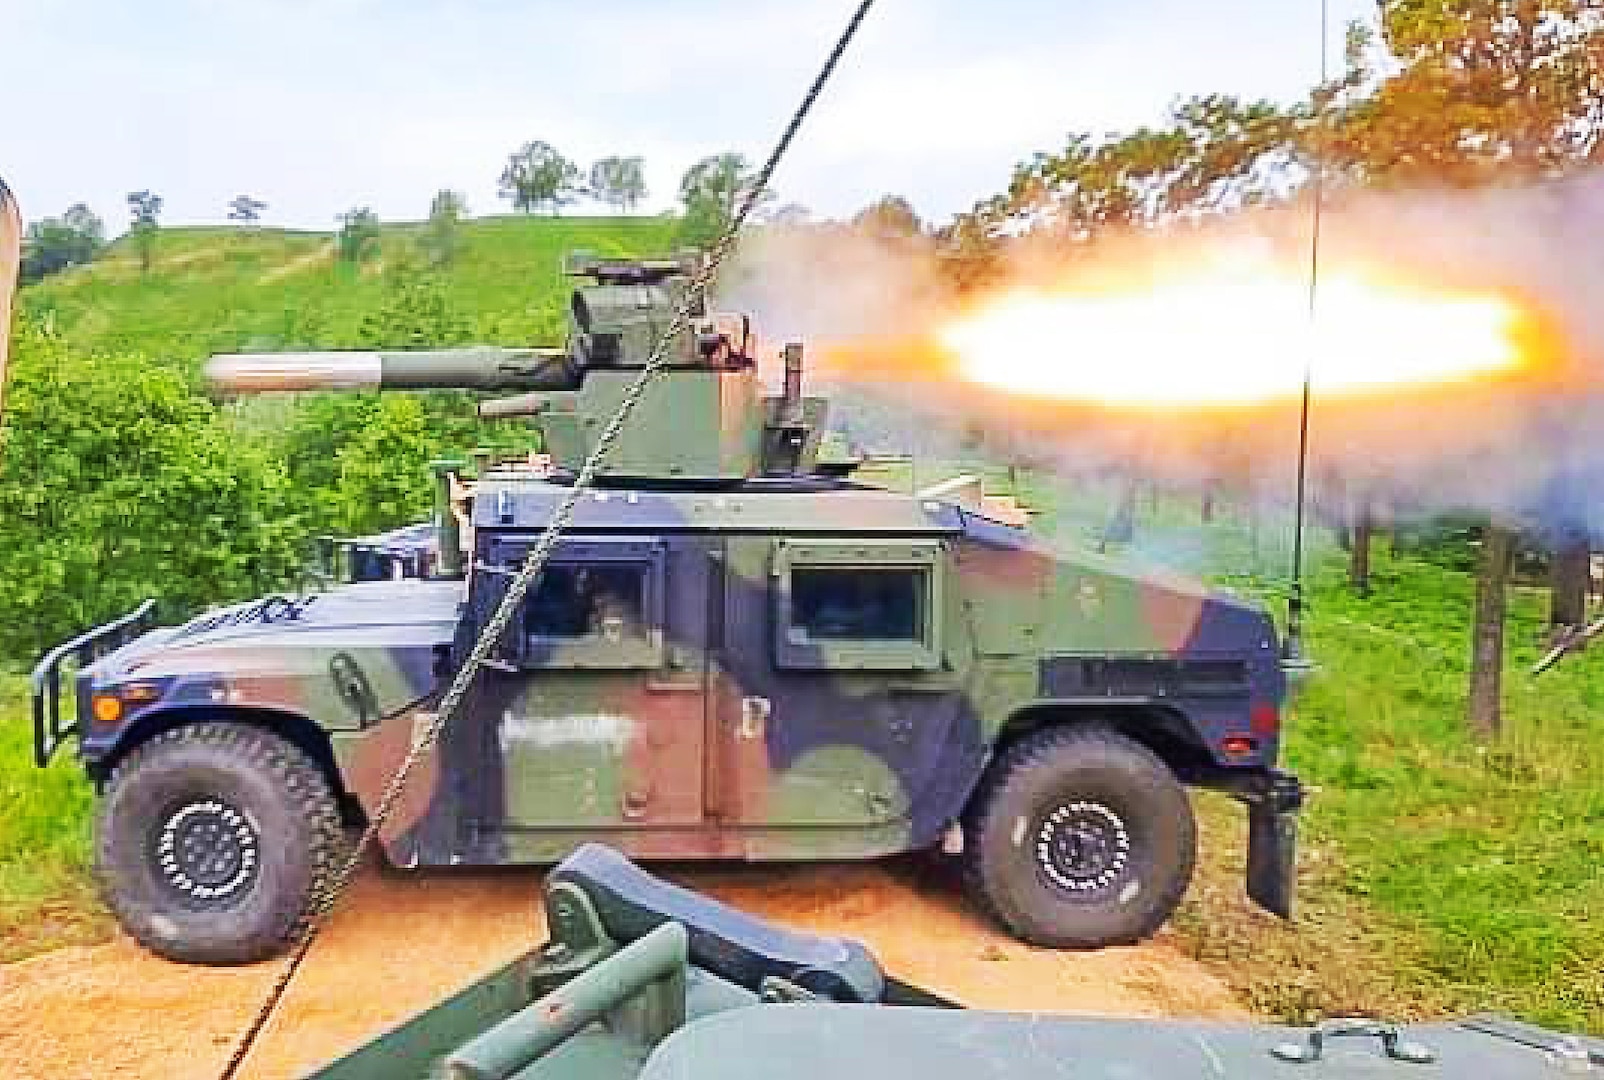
(324, 903)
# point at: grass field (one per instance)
(1437, 874)
(46, 898)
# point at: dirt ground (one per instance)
(402, 941)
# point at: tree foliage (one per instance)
(620, 182)
(246, 209)
(890, 217)
(1217, 153)
(1476, 92)
(711, 192)
(441, 235)
(119, 482)
(359, 462)
(359, 235)
(54, 244)
(538, 176)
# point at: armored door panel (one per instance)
(599, 712)
(832, 699)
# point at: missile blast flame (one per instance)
(1241, 340)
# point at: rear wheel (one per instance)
(1080, 838)
(213, 842)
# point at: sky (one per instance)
(319, 106)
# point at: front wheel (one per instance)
(1080, 838)
(214, 841)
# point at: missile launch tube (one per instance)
(479, 367)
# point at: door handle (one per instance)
(754, 717)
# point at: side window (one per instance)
(598, 604)
(869, 604)
(602, 601)
(849, 605)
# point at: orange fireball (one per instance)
(1233, 339)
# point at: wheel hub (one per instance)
(207, 851)
(1082, 846)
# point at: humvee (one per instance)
(737, 652)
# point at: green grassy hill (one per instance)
(218, 290)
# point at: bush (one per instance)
(118, 482)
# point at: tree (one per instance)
(890, 218)
(440, 235)
(359, 235)
(1480, 91)
(246, 209)
(1570, 581)
(536, 176)
(1485, 704)
(144, 207)
(1217, 154)
(54, 244)
(359, 461)
(415, 313)
(119, 482)
(1364, 527)
(711, 192)
(620, 182)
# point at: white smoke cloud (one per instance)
(1531, 449)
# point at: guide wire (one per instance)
(324, 903)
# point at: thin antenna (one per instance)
(1292, 647)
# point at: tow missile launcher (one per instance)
(710, 389)
(736, 651)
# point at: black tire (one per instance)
(213, 841)
(1079, 838)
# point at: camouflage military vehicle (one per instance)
(737, 652)
(642, 979)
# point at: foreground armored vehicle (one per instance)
(643, 979)
(736, 652)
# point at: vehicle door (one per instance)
(832, 692)
(598, 700)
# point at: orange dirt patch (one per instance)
(402, 941)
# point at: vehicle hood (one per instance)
(346, 657)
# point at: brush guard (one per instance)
(50, 727)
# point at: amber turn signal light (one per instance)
(108, 708)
